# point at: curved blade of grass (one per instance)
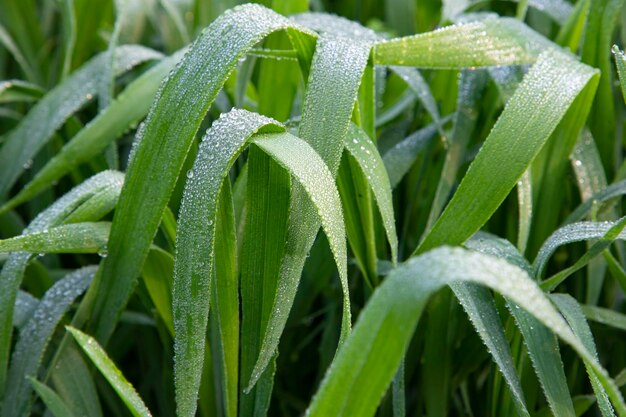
(13, 269)
(73, 380)
(531, 117)
(382, 333)
(157, 160)
(605, 316)
(194, 259)
(576, 232)
(265, 231)
(471, 85)
(290, 152)
(620, 62)
(18, 90)
(225, 324)
(600, 22)
(338, 26)
(8, 42)
(38, 126)
(365, 153)
(328, 107)
(596, 248)
(573, 313)
(51, 399)
(542, 346)
(490, 42)
(67, 238)
(614, 190)
(108, 369)
(479, 305)
(399, 159)
(25, 304)
(123, 112)
(192, 273)
(35, 336)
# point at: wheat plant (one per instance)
(291, 207)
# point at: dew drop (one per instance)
(103, 252)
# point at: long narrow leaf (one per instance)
(500, 162)
(13, 269)
(36, 335)
(69, 238)
(127, 109)
(99, 358)
(381, 335)
(162, 147)
(23, 143)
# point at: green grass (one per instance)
(355, 208)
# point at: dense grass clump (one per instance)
(355, 208)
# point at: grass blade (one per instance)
(267, 205)
(576, 232)
(534, 117)
(55, 404)
(327, 110)
(13, 269)
(193, 268)
(317, 181)
(125, 111)
(605, 316)
(399, 159)
(99, 358)
(74, 383)
(620, 62)
(225, 325)
(68, 238)
(49, 114)
(35, 336)
(490, 42)
(380, 337)
(157, 160)
(573, 313)
(361, 147)
(18, 90)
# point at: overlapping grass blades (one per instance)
(192, 270)
(23, 143)
(226, 234)
(380, 337)
(157, 160)
(125, 111)
(35, 336)
(107, 183)
(566, 85)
